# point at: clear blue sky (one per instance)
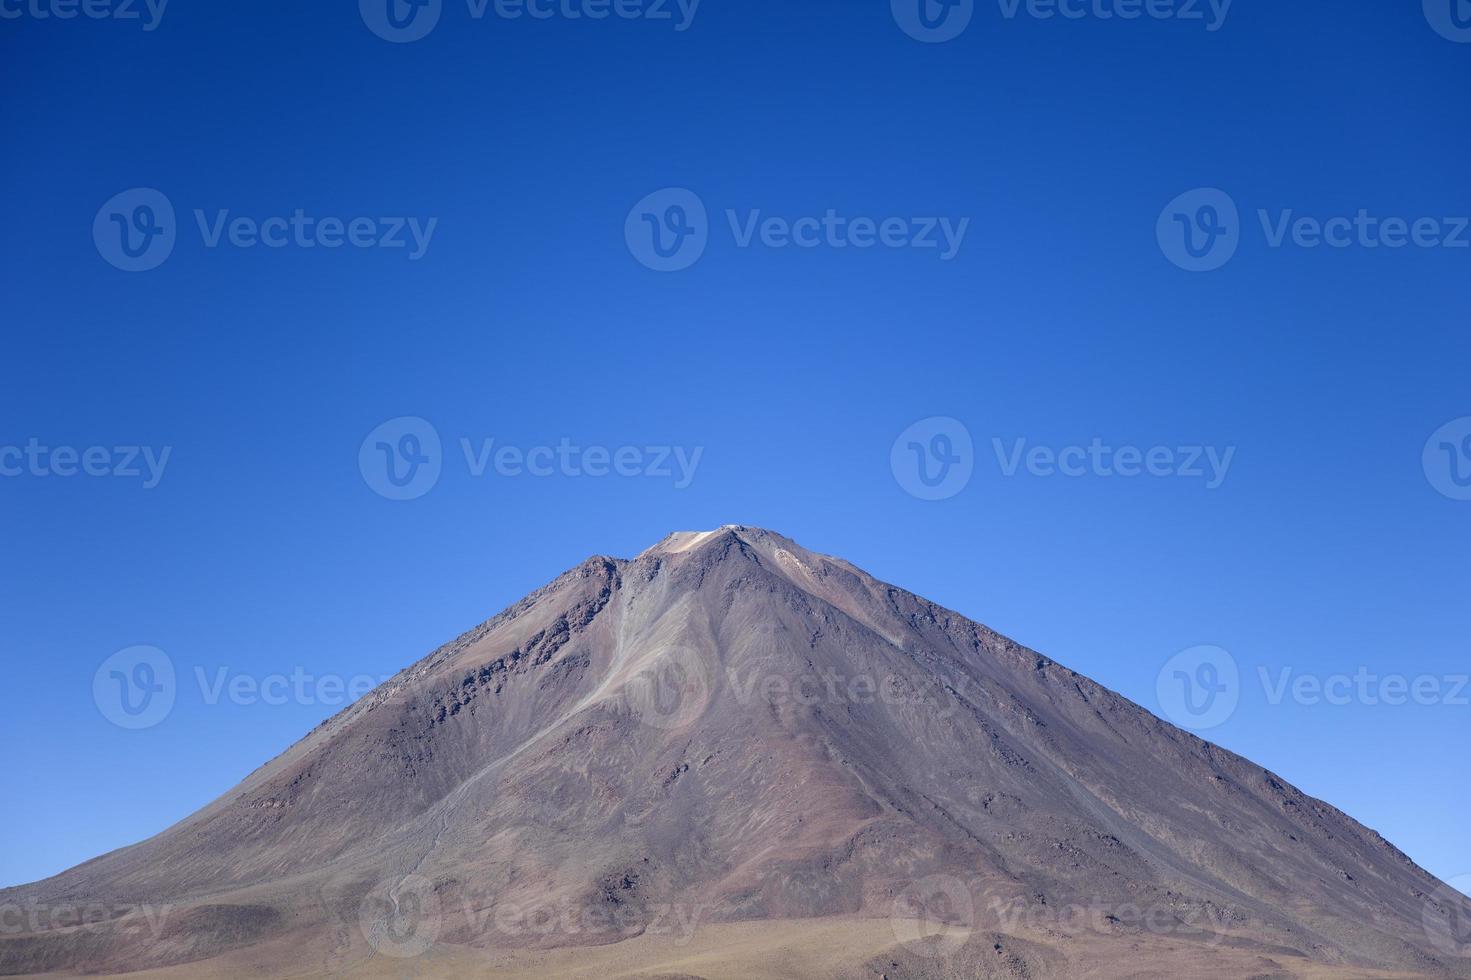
(263, 549)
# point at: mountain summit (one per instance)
(731, 756)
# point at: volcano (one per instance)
(732, 757)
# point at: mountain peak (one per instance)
(678, 542)
(733, 724)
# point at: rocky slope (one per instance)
(730, 728)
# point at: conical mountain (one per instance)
(730, 756)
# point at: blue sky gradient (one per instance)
(528, 319)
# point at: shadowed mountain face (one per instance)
(729, 728)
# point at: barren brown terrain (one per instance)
(733, 757)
